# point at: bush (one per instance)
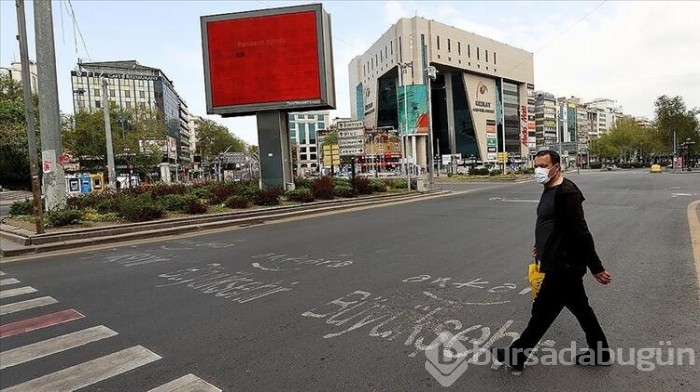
(140, 209)
(248, 190)
(494, 172)
(220, 192)
(362, 185)
(237, 202)
(302, 195)
(337, 181)
(195, 206)
(344, 191)
(158, 190)
(200, 192)
(174, 202)
(323, 188)
(400, 184)
(479, 172)
(22, 207)
(58, 218)
(268, 197)
(301, 182)
(377, 185)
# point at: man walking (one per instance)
(565, 248)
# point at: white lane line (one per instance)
(2, 273)
(55, 345)
(24, 305)
(8, 281)
(188, 383)
(90, 372)
(18, 291)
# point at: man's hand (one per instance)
(603, 277)
(534, 252)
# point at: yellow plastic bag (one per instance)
(535, 277)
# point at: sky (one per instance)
(629, 51)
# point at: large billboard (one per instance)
(412, 102)
(481, 93)
(273, 59)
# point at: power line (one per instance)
(76, 26)
(562, 33)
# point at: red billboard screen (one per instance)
(265, 60)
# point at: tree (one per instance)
(215, 138)
(14, 148)
(673, 116)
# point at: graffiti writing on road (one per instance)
(477, 284)
(240, 287)
(416, 316)
(134, 259)
(270, 258)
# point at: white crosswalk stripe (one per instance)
(8, 281)
(90, 372)
(15, 292)
(55, 345)
(2, 273)
(188, 383)
(24, 305)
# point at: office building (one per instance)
(478, 98)
(303, 127)
(14, 71)
(131, 86)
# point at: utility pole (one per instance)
(29, 115)
(430, 75)
(50, 120)
(111, 173)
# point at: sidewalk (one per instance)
(17, 242)
(9, 197)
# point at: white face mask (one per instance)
(541, 175)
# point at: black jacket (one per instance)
(570, 248)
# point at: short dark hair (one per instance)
(553, 155)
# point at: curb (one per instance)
(27, 243)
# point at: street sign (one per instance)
(353, 142)
(351, 134)
(351, 151)
(350, 125)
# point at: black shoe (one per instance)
(501, 356)
(593, 358)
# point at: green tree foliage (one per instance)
(14, 150)
(672, 115)
(330, 139)
(84, 136)
(215, 138)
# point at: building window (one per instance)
(128, 105)
(494, 58)
(127, 94)
(486, 53)
(111, 93)
(438, 42)
(313, 157)
(142, 105)
(459, 48)
(381, 56)
(449, 45)
(98, 104)
(391, 47)
(142, 94)
(477, 53)
(97, 92)
(469, 51)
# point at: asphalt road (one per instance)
(350, 301)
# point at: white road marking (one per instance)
(188, 383)
(24, 305)
(15, 292)
(90, 372)
(2, 273)
(55, 345)
(8, 281)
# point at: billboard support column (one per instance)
(275, 153)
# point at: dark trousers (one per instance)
(557, 291)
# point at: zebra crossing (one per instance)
(82, 375)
